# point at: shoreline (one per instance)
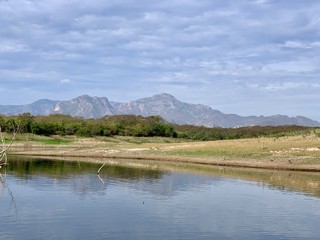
(294, 179)
(204, 161)
(292, 153)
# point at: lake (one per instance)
(55, 199)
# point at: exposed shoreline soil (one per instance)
(94, 152)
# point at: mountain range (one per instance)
(164, 105)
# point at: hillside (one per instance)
(164, 105)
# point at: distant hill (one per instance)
(40, 107)
(85, 106)
(164, 105)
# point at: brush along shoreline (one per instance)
(295, 153)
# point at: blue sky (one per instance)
(250, 57)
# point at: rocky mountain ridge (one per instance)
(164, 105)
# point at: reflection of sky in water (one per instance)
(173, 206)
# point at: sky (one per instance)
(249, 57)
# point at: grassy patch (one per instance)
(56, 142)
(229, 153)
(258, 148)
(317, 132)
(33, 138)
(142, 140)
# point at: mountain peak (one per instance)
(159, 97)
(164, 95)
(85, 106)
(84, 96)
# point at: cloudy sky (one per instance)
(250, 57)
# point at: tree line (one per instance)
(205, 133)
(57, 124)
(138, 126)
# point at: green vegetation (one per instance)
(138, 126)
(126, 125)
(205, 133)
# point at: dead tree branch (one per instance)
(101, 168)
(5, 148)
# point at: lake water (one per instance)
(46, 199)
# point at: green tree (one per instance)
(26, 121)
(2, 123)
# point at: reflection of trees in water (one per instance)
(27, 168)
(82, 177)
(296, 181)
(4, 186)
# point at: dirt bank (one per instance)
(236, 153)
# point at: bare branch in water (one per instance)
(101, 168)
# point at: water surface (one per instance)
(47, 199)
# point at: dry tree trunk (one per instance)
(5, 148)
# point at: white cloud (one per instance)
(301, 44)
(12, 46)
(293, 66)
(65, 81)
(146, 43)
(260, 1)
(283, 86)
